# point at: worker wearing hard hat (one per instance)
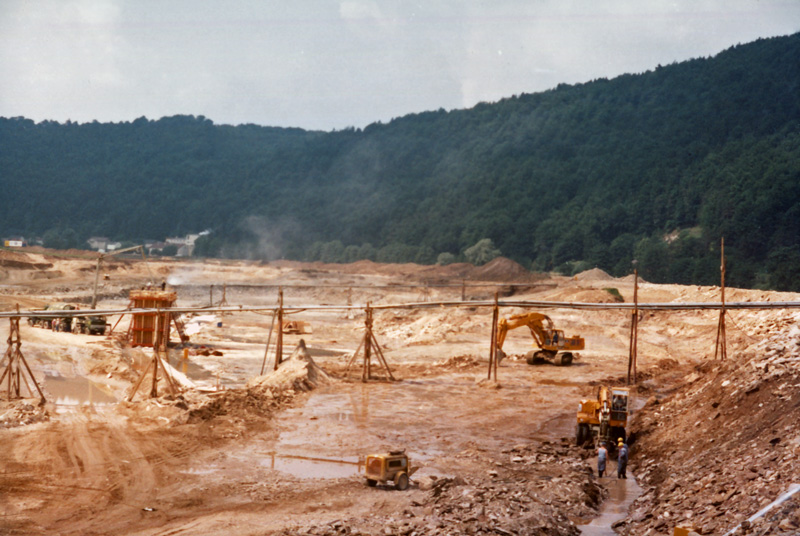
(622, 458)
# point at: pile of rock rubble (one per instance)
(535, 489)
(22, 412)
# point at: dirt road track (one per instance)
(82, 471)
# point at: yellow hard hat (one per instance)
(620, 441)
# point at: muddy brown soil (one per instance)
(225, 459)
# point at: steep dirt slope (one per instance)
(726, 443)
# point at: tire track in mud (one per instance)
(85, 475)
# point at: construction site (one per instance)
(165, 397)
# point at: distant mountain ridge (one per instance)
(655, 167)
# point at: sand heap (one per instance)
(595, 274)
(299, 373)
(502, 269)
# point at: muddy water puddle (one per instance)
(309, 467)
(621, 494)
(302, 467)
(68, 393)
(427, 418)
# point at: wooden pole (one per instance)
(493, 338)
(279, 336)
(139, 381)
(496, 318)
(636, 322)
(382, 358)
(96, 281)
(353, 359)
(156, 349)
(634, 328)
(269, 339)
(721, 347)
(366, 373)
(167, 375)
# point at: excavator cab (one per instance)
(556, 336)
(619, 405)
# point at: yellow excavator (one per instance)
(604, 418)
(553, 344)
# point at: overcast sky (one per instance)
(325, 64)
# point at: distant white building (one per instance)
(99, 243)
(185, 243)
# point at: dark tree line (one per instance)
(655, 167)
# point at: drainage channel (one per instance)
(621, 494)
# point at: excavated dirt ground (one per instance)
(237, 453)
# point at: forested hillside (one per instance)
(656, 166)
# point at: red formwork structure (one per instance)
(146, 328)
